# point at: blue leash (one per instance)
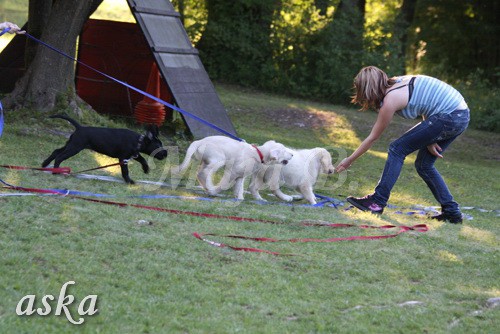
(326, 201)
(138, 90)
(68, 192)
(1, 119)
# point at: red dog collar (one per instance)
(261, 156)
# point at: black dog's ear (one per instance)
(152, 131)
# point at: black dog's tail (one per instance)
(72, 121)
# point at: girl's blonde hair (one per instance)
(370, 85)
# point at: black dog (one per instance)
(123, 144)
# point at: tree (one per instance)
(235, 45)
(335, 53)
(322, 5)
(351, 13)
(50, 76)
(406, 17)
(457, 38)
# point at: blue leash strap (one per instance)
(1, 119)
(4, 31)
(139, 91)
(325, 200)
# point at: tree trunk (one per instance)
(182, 9)
(50, 75)
(406, 20)
(351, 15)
(348, 6)
(38, 15)
(335, 52)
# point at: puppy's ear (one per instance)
(152, 131)
(326, 163)
(325, 166)
(274, 154)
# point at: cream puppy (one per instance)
(239, 158)
(301, 174)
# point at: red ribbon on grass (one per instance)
(59, 170)
(402, 229)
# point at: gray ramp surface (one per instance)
(180, 65)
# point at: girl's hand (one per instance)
(13, 28)
(435, 150)
(343, 165)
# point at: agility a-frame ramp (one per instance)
(180, 66)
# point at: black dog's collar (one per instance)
(139, 145)
(140, 142)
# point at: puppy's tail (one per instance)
(187, 159)
(69, 119)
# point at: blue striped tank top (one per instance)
(430, 96)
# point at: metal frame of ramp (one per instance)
(180, 66)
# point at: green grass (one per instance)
(159, 279)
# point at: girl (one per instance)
(445, 115)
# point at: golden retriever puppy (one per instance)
(240, 159)
(301, 174)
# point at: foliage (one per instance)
(382, 37)
(309, 51)
(458, 42)
(483, 100)
(235, 31)
(325, 60)
(457, 38)
(14, 11)
(309, 54)
(293, 25)
(114, 10)
(157, 278)
(194, 17)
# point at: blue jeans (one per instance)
(440, 129)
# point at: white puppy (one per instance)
(241, 160)
(301, 174)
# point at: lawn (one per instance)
(151, 275)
